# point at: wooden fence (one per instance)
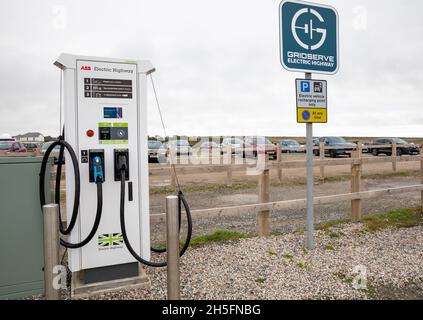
(263, 209)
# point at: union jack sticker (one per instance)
(110, 240)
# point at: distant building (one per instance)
(6, 137)
(30, 137)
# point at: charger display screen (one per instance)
(112, 113)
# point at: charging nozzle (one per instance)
(122, 162)
(121, 157)
(98, 170)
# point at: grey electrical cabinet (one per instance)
(21, 227)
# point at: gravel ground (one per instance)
(280, 268)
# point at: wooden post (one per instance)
(172, 179)
(322, 157)
(279, 160)
(229, 163)
(263, 217)
(173, 160)
(359, 151)
(355, 187)
(394, 156)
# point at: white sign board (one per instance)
(311, 101)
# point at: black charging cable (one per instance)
(42, 186)
(182, 202)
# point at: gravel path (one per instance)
(280, 268)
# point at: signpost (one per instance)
(309, 43)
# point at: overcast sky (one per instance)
(218, 69)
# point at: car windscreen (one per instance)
(400, 141)
(291, 143)
(154, 145)
(336, 140)
(5, 145)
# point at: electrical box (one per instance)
(21, 227)
(105, 114)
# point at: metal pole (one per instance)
(51, 249)
(172, 238)
(310, 183)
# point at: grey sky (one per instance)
(218, 70)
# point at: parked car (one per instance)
(11, 147)
(292, 146)
(346, 148)
(207, 147)
(54, 154)
(156, 151)
(403, 147)
(31, 147)
(180, 147)
(365, 147)
(260, 145)
(236, 145)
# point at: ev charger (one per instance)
(105, 110)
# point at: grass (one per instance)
(403, 218)
(343, 277)
(334, 235)
(203, 188)
(261, 280)
(302, 266)
(329, 248)
(402, 174)
(288, 256)
(326, 226)
(220, 236)
(217, 236)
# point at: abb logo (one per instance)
(86, 68)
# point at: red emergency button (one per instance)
(90, 133)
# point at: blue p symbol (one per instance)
(305, 86)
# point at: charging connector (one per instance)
(98, 170)
(96, 166)
(121, 159)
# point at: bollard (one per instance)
(172, 240)
(51, 249)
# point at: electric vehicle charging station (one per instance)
(105, 111)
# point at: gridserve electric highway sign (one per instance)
(309, 37)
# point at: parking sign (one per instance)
(309, 37)
(312, 102)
